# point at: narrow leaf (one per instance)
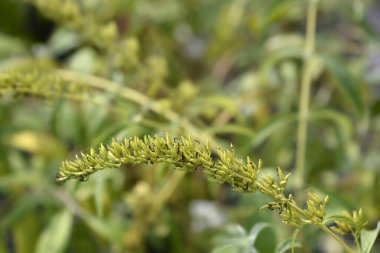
(346, 80)
(286, 245)
(228, 248)
(55, 236)
(368, 238)
(255, 232)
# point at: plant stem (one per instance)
(340, 241)
(136, 97)
(305, 93)
(356, 237)
(77, 98)
(321, 226)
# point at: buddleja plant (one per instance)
(243, 176)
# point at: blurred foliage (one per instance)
(224, 70)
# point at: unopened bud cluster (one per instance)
(347, 223)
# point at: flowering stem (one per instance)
(340, 241)
(305, 93)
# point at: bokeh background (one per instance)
(227, 70)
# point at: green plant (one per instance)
(189, 155)
(117, 68)
(236, 239)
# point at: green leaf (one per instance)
(228, 248)
(55, 236)
(103, 228)
(274, 125)
(20, 209)
(344, 130)
(346, 80)
(237, 240)
(267, 68)
(286, 245)
(255, 232)
(368, 238)
(235, 231)
(285, 120)
(341, 120)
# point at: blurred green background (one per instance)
(225, 70)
